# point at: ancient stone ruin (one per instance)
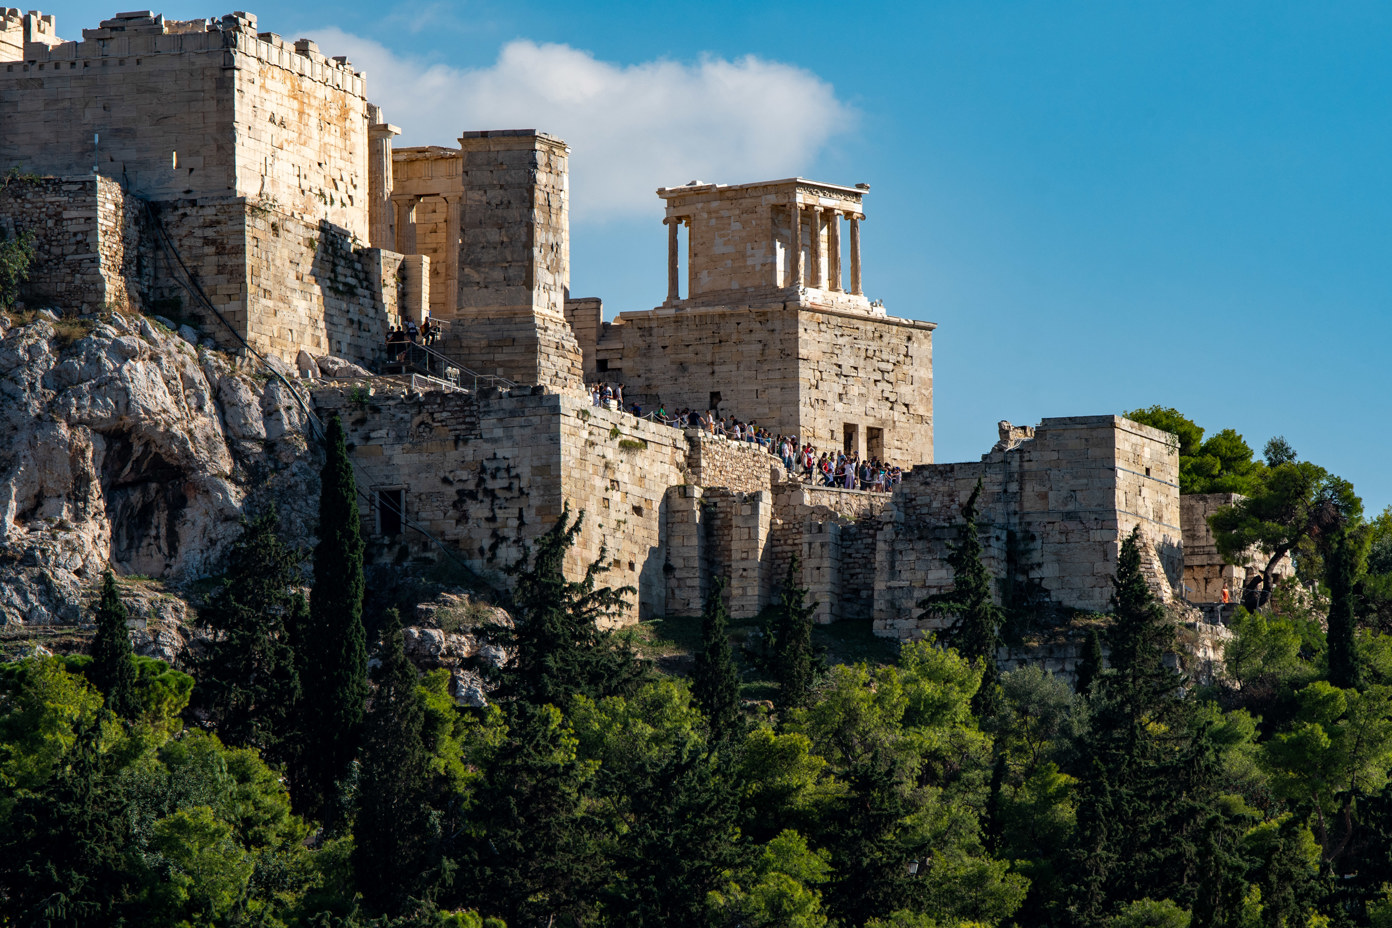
(244, 185)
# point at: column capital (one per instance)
(452, 198)
(382, 130)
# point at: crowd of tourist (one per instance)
(399, 340)
(801, 460)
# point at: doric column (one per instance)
(796, 243)
(405, 223)
(834, 251)
(690, 265)
(379, 179)
(454, 203)
(815, 238)
(856, 286)
(673, 259)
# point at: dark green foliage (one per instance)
(63, 851)
(976, 633)
(681, 844)
(392, 832)
(248, 684)
(1091, 664)
(1222, 464)
(715, 683)
(1138, 639)
(792, 642)
(331, 656)
(113, 663)
(559, 649)
(533, 852)
(1342, 566)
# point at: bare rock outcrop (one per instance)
(450, 632)
(131, 447)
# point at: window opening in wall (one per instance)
(1147, 471)
(391, 511)
(714, 400)
(174, 161)
(602, 365)
(850, 438)
(874, 443)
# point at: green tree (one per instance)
(248, 684)
(392, 832)
(976, 633)
(1297, 503)
(715, 683)
(113, 662)
(63, 850)
(792, 641)
(1343, 564)
(332, 653)
(1222, 464)
(16, 254)
(1091, 664)
(559, 648)
(1138, 638)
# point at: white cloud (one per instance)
(631, 128)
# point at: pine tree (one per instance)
(559, 649)
(248, 685)
(113, 662)
(1091, 664)
(793, 642)
(976, 633)
(715, 684)
(332, 655)
(392, 831)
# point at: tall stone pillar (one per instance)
(815, 238)
(834, 251)
(405, 223)
(856, 287)
(453, 232)
(379, 179)
(796, 245)
(673, 258)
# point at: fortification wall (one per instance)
(194, 109)
(87, 235)
(1052, 515)
(1205, 571)
(487, 473)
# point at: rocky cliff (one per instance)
(126, 444)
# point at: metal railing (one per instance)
(436, 364)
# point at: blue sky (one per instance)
(1102, 205)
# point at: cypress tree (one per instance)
(1342, 566)
(715, 684)
(332, 655)
(1091, 664)
(248, 685)
(113, 662)
(976, 633)
(559, 650)
(793, 642)
(1139, 637)
(392, 831)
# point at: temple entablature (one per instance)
(774, 241)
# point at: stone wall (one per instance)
(87, 236)
(793, 371)
(486, 473)
(1052, 515)
(1205, 571)
(194, 109)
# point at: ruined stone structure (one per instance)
(1205, 571)
(212, 173)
